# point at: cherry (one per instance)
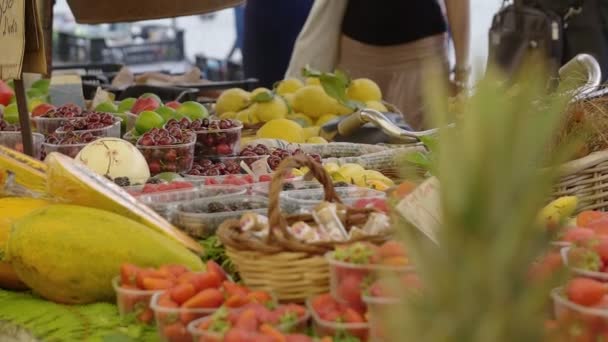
(224, 149)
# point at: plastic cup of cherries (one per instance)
(69, 143)
(213, 137)
(98, 124)
(168, 149)
(54, 118)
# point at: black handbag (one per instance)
(529, 27)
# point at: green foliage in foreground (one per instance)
(477, 287)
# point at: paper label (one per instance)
(12, 38)
(422, 208)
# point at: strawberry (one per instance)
(585, 291)
(150, 283)
(237, 300)
(212, 266)
(357, 253)
(259, 297)
(182, 292)
(323, 303)
(176, 270)
(176, 332)
(232, 288)
(206, 280)
(578, 234)
(352, 316)
(128, 274)
(391, 249)
(585, 258)
(146, 316)
(600, 226)
(272, 332)
(349, 289)
(601, 248)
(588, 216)
(239, 335)
(298, 338)
(247, 321)
(545, 267)
(207, 299)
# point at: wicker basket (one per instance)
(586, 178)
(281, 264)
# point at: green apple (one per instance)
(126, 104)
(168, 176)
(148, 95)
(106, 107)
(166, 112)
(42, 84)
(34, 92)
(193, 110)
(123, 123)
(148, 120)
(11, 113)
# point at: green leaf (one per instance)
(308, 72)
(264, 96)
(418, 158)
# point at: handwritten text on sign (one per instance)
(422, 208)
(12, 37)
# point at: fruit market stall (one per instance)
(261, 217)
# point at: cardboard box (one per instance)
(113, 11)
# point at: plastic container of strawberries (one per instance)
(172, 322)
(182, 157)
(304, 200)
(203, 224)
(208, 141)
(133, 302)
(110, 131)
(202, 335)
(13, 140)
(601, 276)
(565, 308)
(322, 327)
(346, 280)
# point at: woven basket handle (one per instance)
(276, 219)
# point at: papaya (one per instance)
(69, 254)
(74, 183)
(12, 208)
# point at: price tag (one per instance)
(422, 208)
(12, 38)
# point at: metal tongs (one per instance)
(582, 64)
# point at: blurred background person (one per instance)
(271, 28)
(392, 43)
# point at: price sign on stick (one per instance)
(12, 38)
(422, 208)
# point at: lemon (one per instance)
(340, 109)
(377, 105)
(283, 129)
(228, 115)
(246, 116)
(373, 175)
(325, 119)
(339, 177)
(363, 90)
(316, 140)
(377, 185)
(331, 167)
(313, 81)
(232, 100)
(289, 86)
(312, 131)
(297, 173)
(288, 99)
(301, 119)
(274, 109)
(312, 101)
(259, 90)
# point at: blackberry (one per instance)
(122, 181)
(340, 184)
(216, 207)
(288, 186)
